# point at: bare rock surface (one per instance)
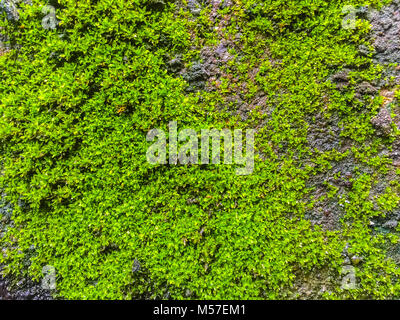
(383, 121)
(12, 288)
(386, 33)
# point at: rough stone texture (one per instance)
(23, 290)
(385, 32)
(203, 73)
(341, 79)
(327, 212)
(312, 285)
(395, 154)
(194, 7)
(196, 76)
(9, 6)
(209, 71)
(11, 9)
(323, 134)
(383, 121)
(10, 287)
(175, 65)
(385, 36)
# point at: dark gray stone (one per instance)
(385, 33)
(194, 7)
(383, 121)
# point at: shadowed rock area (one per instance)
(23, 290)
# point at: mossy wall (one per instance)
(77, 101)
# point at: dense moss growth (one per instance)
(77, 102)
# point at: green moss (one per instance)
(75, 110)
